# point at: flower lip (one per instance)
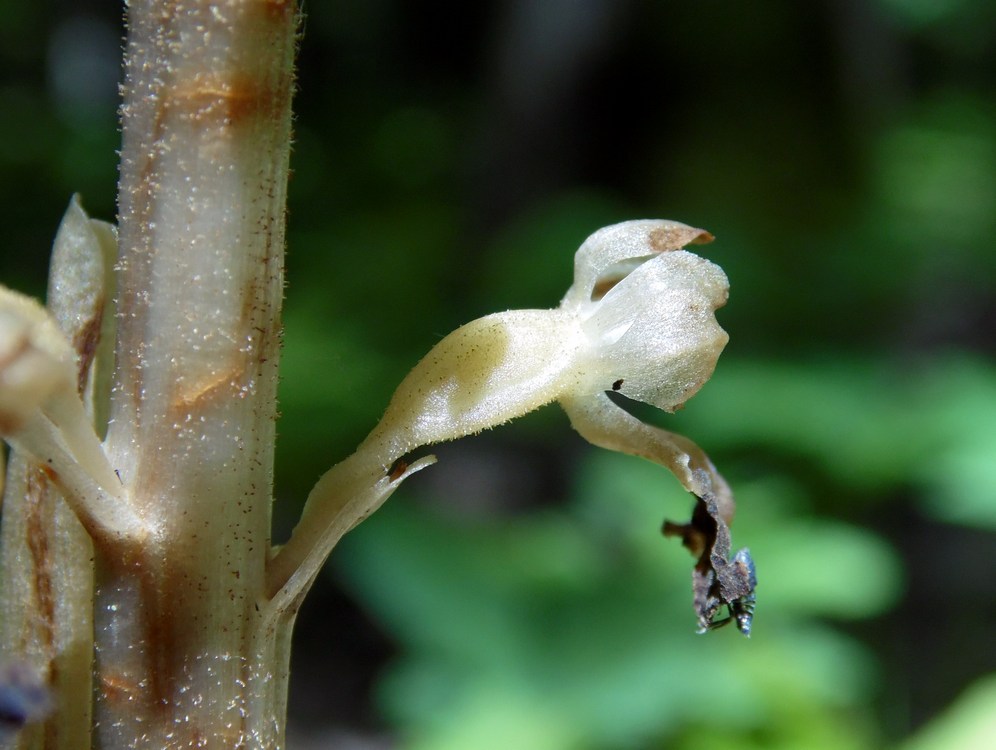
(655, 331)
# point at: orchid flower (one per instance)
(639, 320)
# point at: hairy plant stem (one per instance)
(185, 648)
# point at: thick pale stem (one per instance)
(184, 655)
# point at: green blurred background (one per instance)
(448, 162)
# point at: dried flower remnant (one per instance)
(717, 580)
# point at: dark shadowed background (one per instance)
(448, 162)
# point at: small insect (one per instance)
(741, 608)
(717, 579)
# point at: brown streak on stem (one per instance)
(221, 385)
(151, 696)
(38, 544)
(160, 636)
(118, 687)
(38, 502)
(219, 101)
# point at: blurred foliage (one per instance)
(571, 629)
(448, 161)
(586, 611)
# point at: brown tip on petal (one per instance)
(675, 236)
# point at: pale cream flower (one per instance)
(639, 320)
